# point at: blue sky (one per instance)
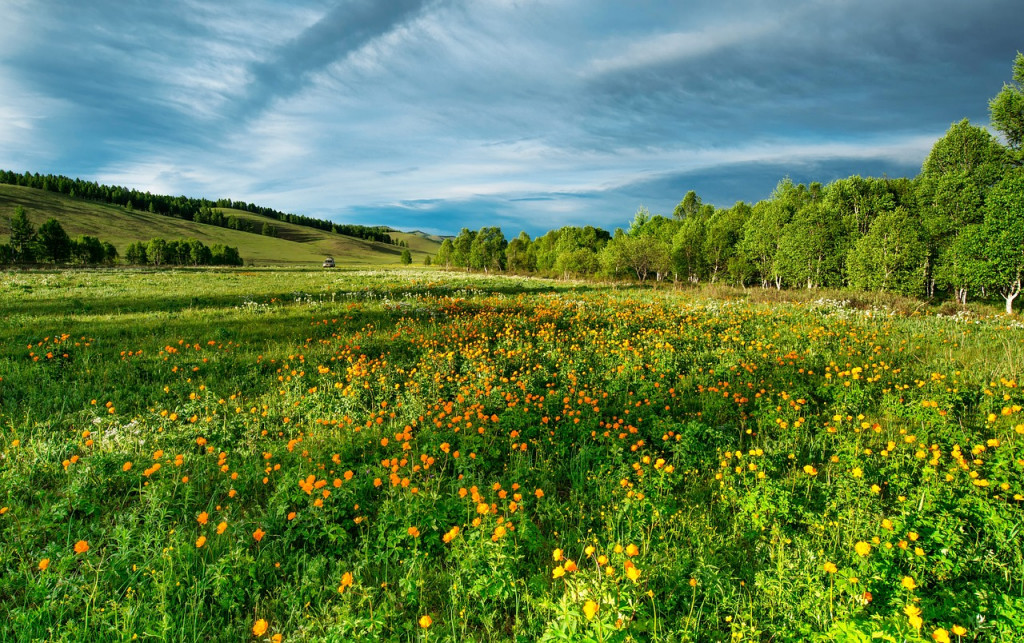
(529, 114)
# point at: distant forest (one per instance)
(956, 229)
(182, 207)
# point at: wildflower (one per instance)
(958, 630)
(809, 470)
(941, 635)
(831, 568)
(43, 564)
(539, 493)
(81, 547)
(221, 527)
(203, 517)
(632, 550)
(556, 555)
(558, 572)
(590, 609)
(126, 466)
(260, 628)
(426, 621)
(258, 534)
(909, 583)
(414, 532)
(633, 573)
(862, 548)
(200, 541)
(913, 613)
(346, 581)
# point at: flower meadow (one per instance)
(412, 455)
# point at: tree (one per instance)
(461, 248)
(109, 253)
(1007, 109)
(688, 207)
(426, 260)
(811, 246)
(444, 253)
(688, 250)
(54, 244)
(135, 254)
(268, 230)
(517, 254)
(156, 251)
(724, 229)
(890, 257)
(406, 257)
(960, 170)
(88, 250)
(487, 251)
(962, 266)
(1003, 230)
(23, 236)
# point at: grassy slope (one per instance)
(295, 244)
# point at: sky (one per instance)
(527, 114)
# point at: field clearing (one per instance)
(220, 454)
(298, 245)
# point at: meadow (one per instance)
(290, 454)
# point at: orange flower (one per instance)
(258, 534)
(414, 532)
(81, 547)
(631, 550)
(126, 466)
(260, 628)
(277, 638)
(426, 621)
(346, 581)
(200, 541)
(221, 527)
(539, 493)
(43, 564)
(203, 517)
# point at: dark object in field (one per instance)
(329, 262)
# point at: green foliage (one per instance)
(890, 257)
(406, 258)
(54, 243)
(1007, 108)
(23, 236)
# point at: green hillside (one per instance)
(293, 245)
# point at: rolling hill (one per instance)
(293, 245)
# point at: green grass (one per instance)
(297, 245)
(744, 467)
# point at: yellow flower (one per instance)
(862, 548)
(426, 621)
(809, 470)
(909, 583)
(556, 555)
(632, 550)
(941, 635)
(558, 572)
(589, 609)
(260, 628)
(830, 568)
(959, 631)
(633, 573)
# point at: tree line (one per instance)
(182, 207)
(52, 244)
(956, 229)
